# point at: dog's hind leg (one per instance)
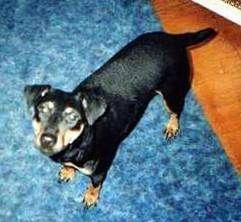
(174, 102)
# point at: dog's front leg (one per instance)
(92, 193)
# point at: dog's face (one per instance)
(59, 118)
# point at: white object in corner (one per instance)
(224, 9)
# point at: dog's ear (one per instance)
(33, 93)
(93, 105)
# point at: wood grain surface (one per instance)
(216, 68)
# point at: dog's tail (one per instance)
(188, 39)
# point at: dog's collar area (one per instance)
(71, 153)
(77, 151)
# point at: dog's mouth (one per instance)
(46, 152)
(50, 144)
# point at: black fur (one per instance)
(125, 84)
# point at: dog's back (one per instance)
(145, 63)
(153, 62)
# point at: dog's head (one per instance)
(59, 117)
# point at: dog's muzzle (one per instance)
(48, 140)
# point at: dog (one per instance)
(83, 129)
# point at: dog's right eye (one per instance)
(45, 110)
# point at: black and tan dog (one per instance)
(83, 129)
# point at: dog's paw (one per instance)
(170, 132)
(91, 196)
(172, 128)
(66, 174)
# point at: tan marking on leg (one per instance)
(66, 173)
(172, 126)
(91, 195)
(164, 102)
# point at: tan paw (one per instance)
(91, 196)
(172, 127)
(66, 174)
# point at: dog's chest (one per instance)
(87, 169)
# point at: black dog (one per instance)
(83, 129)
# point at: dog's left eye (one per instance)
(71, 119)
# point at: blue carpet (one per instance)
(60, 43)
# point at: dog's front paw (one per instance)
(66, 174)
(91, 196)
(172, 127)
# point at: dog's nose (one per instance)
(48, 140)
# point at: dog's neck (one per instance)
(79, 151)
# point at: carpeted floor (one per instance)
(60, 43)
